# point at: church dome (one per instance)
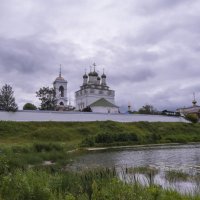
(103, 76)
(85, 76)
(93, 73)
(60, 78)
(90, 74)
(98, 78)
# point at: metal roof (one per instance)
(103, 103)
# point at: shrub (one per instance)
(29, 106)
(192, 117)
(88, 142)
(40, 147)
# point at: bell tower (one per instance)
(60, 85)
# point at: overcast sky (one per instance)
(150, 49)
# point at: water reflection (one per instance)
(182, 157)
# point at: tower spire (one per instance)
(60, 73)
(194, 102)
(94, 64)
(129, 107)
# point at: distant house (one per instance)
(96, 94)
(187, 110)
(170, 113)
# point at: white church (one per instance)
(94, 94)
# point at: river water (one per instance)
(184, 158)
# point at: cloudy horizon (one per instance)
(149, 49)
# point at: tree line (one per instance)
(46, 95)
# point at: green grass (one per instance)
(177, 175)
(32, 143)
(26, 146)
(108, 133)
(96, 184)
(142, 170)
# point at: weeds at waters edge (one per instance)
(23, 157)
(95, 184)
(177, 175)
(147, 171)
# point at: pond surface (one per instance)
(185, 158)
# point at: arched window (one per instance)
(61, 103)
(61, 90)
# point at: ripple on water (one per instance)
(173, 157)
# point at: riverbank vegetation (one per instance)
(71, 135)
(93, 184)
(38, 143)
(34, 158)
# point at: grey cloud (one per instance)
(149, 49)
(154, 7)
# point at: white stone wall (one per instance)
(83, 117)
(99, 109)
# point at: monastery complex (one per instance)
(94, 94)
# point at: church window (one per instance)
(61, 90)
(61, 103)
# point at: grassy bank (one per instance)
(33, 156)
(35, 143)
(72, 134)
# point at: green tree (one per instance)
(29, 106)
(47, 96)
(147, 109)
(7, 100)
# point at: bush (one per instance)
(41, 147)
(192, 117)
(28, 185)
(88, 142)
(29, 106)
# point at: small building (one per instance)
(104, 106)
(96, 94)
(187, 110)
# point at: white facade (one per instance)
(93, 89)
(103, 109)
(188, 110)
(60, 85)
